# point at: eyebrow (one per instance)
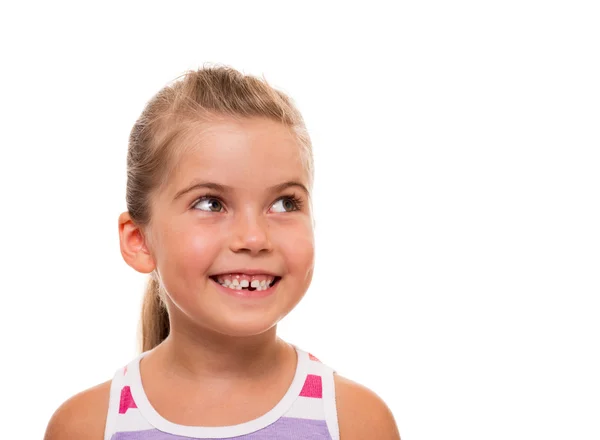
(226, 189)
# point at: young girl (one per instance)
(219, 180)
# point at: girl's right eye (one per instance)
(210, 204)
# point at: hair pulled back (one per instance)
(196, 96)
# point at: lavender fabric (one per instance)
(285, 428)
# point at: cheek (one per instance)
(298, 249)
(190, 250)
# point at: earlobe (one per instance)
(133, 245)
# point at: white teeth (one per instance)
(237, 284)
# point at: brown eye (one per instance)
(209, 204)
(285, 204)
(288, 205)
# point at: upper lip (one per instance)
(246, 272)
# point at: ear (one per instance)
(134, 249)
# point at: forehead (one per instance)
(245, 153)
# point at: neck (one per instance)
(204, 354)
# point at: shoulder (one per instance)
(83, 416)
(362, 413)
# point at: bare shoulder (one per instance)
(82, 417)
(362, 413)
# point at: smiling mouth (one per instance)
(244, 282)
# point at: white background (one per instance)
(457, 198)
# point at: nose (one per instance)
(250, 234)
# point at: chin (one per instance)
(237, 317)
(243, 326)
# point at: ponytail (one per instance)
(154, 322)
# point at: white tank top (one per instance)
(306, 411)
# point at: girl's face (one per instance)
(236, 210)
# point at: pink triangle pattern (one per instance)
(313, 387)
(126, 400)
(313, 358)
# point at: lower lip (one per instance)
(245, 293)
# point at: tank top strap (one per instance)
(121, 406)
(317, 397)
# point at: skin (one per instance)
(224, 345)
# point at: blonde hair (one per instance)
(196, 96)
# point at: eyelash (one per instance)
(297, 201)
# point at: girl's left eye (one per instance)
(210, 204)
(286, 204)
